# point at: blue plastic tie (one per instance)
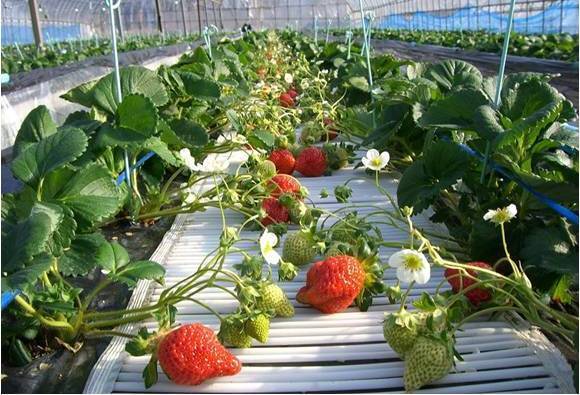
(139, 163)
(8, 297)
(563, 211)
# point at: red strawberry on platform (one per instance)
(286, 100)
(191, 354)
(276, 213)
(284, 161)
(333, 284)
(293, 94)
(459, 282)
(311, 162)
(285, 184)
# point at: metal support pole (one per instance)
(221, 17)
(489, 16)
(185, 33)
(543, 16)
(561, 15)
(199, 16)
(527, 16)
(35, 19)
(121, 28)
(159, 17)
(215, 19)
(206, 18)
(477, 14)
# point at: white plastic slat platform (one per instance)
(344, 352)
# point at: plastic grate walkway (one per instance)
(344, 352)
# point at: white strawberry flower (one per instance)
(288, 78)
(215, 164)
(501, 215)
(268, 241)
(375, 161)
(188, 160)
(411, 265)
(304, 84)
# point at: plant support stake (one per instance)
(117, 73)
(316, 31)
(499, 82)
(328, 22)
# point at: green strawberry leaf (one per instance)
(550, 249)
(111, 136)
(29, 275)
(156, 145)
(134, 80)
(190, 133)
(262, 139)
(137, 113)
(27, 238)
(199, 88)
(82, 94)
(112, 256)
(37, 126)
(150, 372)
(454, 74)
(82, 256)
(131, 273)
(49, 154)
(90, 193)
(440, 168)
(455, 111)
(65, 231)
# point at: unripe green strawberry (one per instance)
(310, 135)
(232, 333)
(336, 156)
(266, 169)
(333, 250)
(298, 209)
(401, 338)
(274, 299)
(258, 327)
(299, 248)
(342, 234)
(428, 361)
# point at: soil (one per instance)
(25, 79)
(73, 369)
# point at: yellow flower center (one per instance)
(413, 262)
(376, 161)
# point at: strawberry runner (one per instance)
(298, 351)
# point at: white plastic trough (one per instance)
(344, 352)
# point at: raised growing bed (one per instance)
(197, 116)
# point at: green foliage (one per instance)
(562, 46)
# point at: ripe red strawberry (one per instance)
(333, 284)
(458, 282)
(311, 162)
(191, 354)
(286, 100)
(292, 92)
(285, 184)
(284, 161)
(276, 213)
(331, 132)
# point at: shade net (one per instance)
(72, 19)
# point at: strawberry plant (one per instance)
(562, 46)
